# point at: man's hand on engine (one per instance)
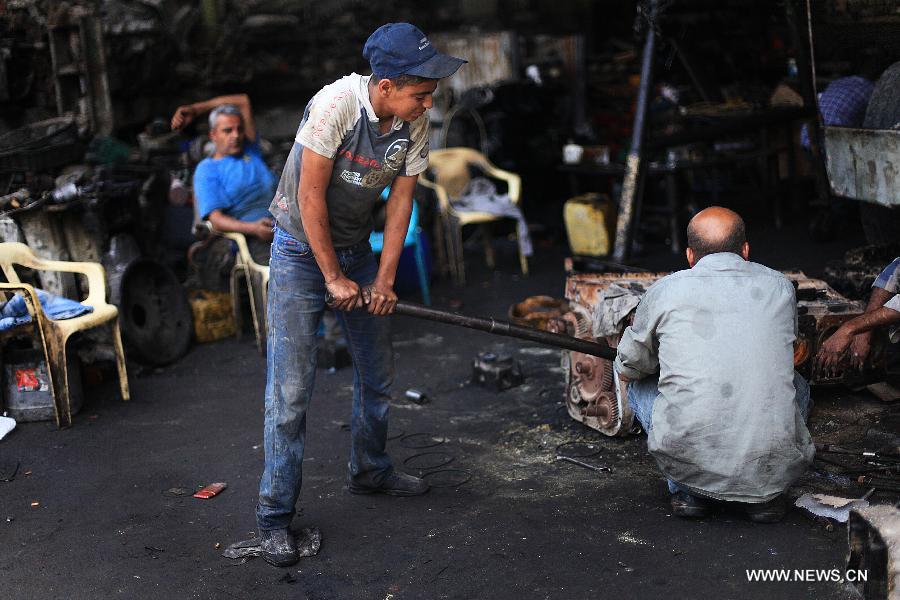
(832, 352)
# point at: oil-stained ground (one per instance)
(108, 523)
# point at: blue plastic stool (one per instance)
(414, 239)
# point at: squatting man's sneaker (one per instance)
(772, 511)
(278, 547)
(395, 484)
(687, 506)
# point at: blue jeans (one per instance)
(296, 304)
(642, 394)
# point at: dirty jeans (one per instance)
(642, 394)
(296, 304)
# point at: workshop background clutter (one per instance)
(566, 160)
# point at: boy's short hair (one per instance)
(223, 109)
(401, 81)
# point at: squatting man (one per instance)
(709, 368)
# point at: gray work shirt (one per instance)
(721, 335)
(340, 123)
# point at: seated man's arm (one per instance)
(261, 228)
(832, 351)
(186, 113)
(637, 355)
(884, 288)
(210, 198)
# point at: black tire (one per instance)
(154, 313)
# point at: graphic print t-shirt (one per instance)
(339, 123)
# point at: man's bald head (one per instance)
(716, 229)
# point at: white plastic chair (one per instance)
(54, 334)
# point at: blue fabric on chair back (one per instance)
(413, 239)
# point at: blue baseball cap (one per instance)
(396, 49)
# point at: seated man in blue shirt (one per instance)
(233, 187)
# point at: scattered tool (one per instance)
(832, 449)
(881, 484)
(584, 464)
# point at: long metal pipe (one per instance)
(491, 325)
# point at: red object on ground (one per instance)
(211, 490)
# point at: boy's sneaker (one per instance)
(687, 506)
(395, 484)
(278, 547)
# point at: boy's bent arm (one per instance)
(399, 208)
(314, 177)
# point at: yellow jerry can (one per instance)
(589, 220)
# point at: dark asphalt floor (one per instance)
(523, 526)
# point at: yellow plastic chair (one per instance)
(54, 334)
(251, 271)
(450, 167)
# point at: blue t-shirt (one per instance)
(241, 186)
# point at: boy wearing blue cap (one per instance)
(358, 135)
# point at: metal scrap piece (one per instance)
(584, 464)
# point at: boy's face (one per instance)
(410, 101)
(228, 135)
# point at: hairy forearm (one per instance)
(870, 320)
(314, 215)
(877, 298)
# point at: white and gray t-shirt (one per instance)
(340, 123)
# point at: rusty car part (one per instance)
(536, 311)
(873, 537)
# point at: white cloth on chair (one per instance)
(481, 196)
